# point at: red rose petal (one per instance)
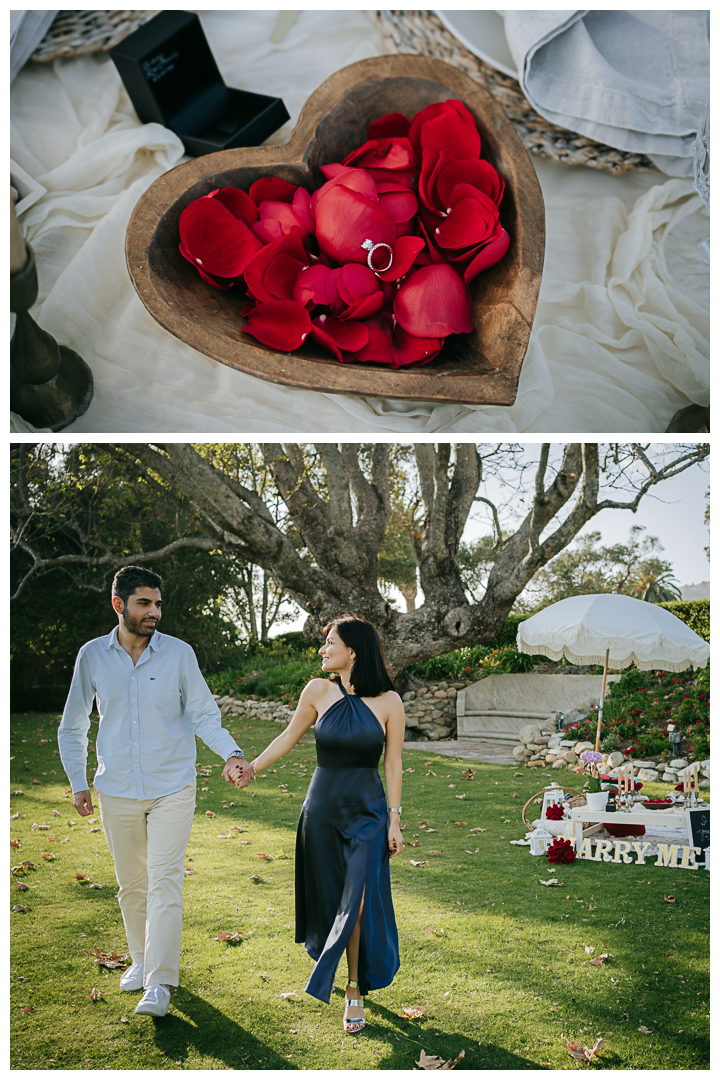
(217, 283)
(434, 162)
(489, 255)
(282, 213)
(336, 336)
(400, 205)
(310, 285)
(414, 350)
(238, 203)
(470, 222)
(456, 135)
(391, 345)
(268, 231)
(365, 307)
(280, 324)
(301, 210)
(480, 174)
(281, 274)
(352, 179)
(434, 302)
(344, 220)
(387, 126)
(218, 242)
(405, 252)
(255, 270)
(421, 118)
(273, 188)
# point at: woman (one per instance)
(347, 832)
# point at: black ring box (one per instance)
(172, 79)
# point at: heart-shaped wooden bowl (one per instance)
(478, 368)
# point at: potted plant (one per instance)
(596, 797)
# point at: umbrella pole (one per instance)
(602, 701)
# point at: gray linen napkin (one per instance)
(27, 29)
(636, 80)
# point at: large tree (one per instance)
(319, 524)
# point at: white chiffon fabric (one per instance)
(616, 345)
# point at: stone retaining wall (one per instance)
(429, 710)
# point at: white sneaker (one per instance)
(132, 979)
(155, 1001)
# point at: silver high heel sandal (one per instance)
(353, 1019)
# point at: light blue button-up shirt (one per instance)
(150, 714)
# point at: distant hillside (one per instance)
(700, 591)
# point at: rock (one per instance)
(550, 757)
(581, 746)
(452, 692)
(529, 732)
(442, 686)
(440, 694)
(643, 764)
(409, 695)
(678, 763)
(519, 752)
(571, 757)
(422, 691)
(668, 778)
(411, 721)
(542, 740)
(704, 784)
(615, 759)
(559, 764)
(533, 763)
(538, 757)
(648, 775)
(556, 740)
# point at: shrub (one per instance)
(694, 613)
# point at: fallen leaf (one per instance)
(589, 949)
(580, 1052)
(597, 961)
(189, 870)
(428, 1061)
(430, 830)
(460, 824)
(21, 885)
(48, 855)
(209, 813)
(19, 869)
(669, 899)
(21, 907)
(412, 1012)
(27, 1009)
(413, 843)
(96, 886)
(14, 816)
(56, 813)
(461, 797)
(552, 881)
(408, 770)
(92, 820)
(478, 829)
(515, 795)
(414, 863)
(51, 838)
(43, 828)
(108, 960)
(16, 792)
(434, 852)
(224, 836)
(290, 994)
(449, 785)
(81, 876)
(422, 824)
(36, 781)
(436, 932)
(95, 994)
(124, 1020)
(231, 935)
(261, 855)
(645, 1031)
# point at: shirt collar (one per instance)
(111, 640)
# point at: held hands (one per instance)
(238, 771)
(82, 801)
(395, 840)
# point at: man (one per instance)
(152, 701)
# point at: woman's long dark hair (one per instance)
(369, 676)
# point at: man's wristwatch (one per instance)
(236, 753)
(394, 809)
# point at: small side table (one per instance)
(671, 819)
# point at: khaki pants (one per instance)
(147, 840)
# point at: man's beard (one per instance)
(136, 626)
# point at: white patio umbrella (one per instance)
(613, 630)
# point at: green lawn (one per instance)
(497, 960)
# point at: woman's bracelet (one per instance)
(394, 809)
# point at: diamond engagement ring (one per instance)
(371, 249)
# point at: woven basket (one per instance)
(422, 33)
(78, 33)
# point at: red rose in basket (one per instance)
(374, 264)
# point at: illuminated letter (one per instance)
(641, 849)
(601, 851)
(688, 858)
(667, 854)
(621, 851)
(585, 849)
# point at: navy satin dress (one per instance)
(342, 848)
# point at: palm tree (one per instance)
(656, 583)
